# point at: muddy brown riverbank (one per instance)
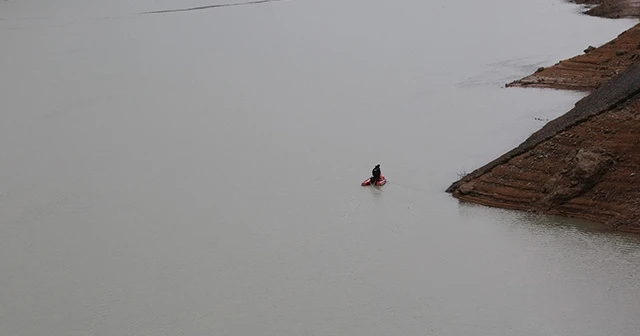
(611, 8)
(586, 163)
(590, 70)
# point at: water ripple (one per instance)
(210, 6)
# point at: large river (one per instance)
(198, 172)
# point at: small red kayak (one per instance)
(382, 181)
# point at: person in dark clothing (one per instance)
(375, 174)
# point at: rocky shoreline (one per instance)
(586, 163)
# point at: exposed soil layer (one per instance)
(590, 70)
(612, 8)
(584, 164)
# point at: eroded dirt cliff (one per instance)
(590, 170)
(590, 70)
(586, 163)
(597, 65)
(612, 8)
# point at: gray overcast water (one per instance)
(198, 172)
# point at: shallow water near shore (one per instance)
(199, 172)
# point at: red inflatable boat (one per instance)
(382, 181)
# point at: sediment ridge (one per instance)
(590, 70)
(613, 9)
(586, 163)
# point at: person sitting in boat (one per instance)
(375, 174)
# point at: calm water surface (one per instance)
(197, 173)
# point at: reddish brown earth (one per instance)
(612, 8)
(589, 171)
(588, 71)
(586, 163)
